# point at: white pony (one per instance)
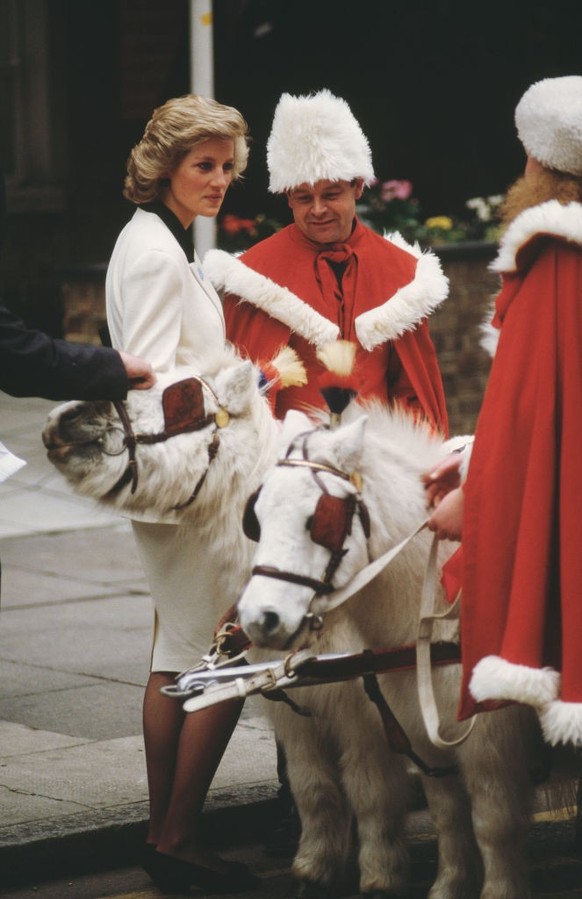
(338, 760)
(199, 448)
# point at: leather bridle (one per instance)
(339, 513)
(172, 428)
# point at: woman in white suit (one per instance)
(161, 307)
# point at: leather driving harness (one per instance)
(183, 405)
(329, 526)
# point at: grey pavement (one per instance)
(75, 634)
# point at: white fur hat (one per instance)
(549, 123)
(316, 138)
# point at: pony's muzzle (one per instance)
(264, 627)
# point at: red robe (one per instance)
(521, 619)
(282, 291)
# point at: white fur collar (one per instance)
(228, 273)
(551, 218)
(410, 304)
(548, 218)
(400, 313)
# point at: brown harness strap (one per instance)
(212, 451)
(130, 473)
(320, 587)
(367, 665)
(396, 735)
(132, 439)
(372, 661)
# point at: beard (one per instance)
(538, 188)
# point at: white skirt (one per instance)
(188, 597)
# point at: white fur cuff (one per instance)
(496, 679)
(562, 722)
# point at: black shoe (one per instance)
(283, 838)
(172, 876)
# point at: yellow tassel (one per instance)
(290, 368)
(338, 356)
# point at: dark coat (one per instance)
(34, 364)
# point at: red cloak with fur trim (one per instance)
(282, 291)
(521, 619)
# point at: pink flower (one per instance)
(396, 190)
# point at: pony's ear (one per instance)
(349, 444)
(294, 423)
(237, 386)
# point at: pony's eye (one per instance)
(309, 523)
(113, 442)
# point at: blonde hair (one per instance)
(173, 130)
(545, 184)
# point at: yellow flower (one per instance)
(442, 222)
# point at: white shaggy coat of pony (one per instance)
(168, 472)
(339, 763)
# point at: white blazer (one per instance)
(159, 305)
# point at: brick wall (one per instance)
(455, 329)
(83, 298)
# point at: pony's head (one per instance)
(154, 450)
(311, 527)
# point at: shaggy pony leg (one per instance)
(321, 805)
(376, 784)
(459, 865)
(496, 769)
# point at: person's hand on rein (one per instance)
(442, 479)
(445, 495)
(447, 520)
(139, 373)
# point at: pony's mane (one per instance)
(408, 441)
(226, 358)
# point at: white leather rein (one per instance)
(427, 617)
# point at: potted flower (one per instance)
(388, 206)
(237, 234)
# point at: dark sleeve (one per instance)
(34, 364)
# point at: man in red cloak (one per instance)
(327, 276)
(518, 512)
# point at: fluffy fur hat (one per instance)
(549, 123)
(316, 138)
